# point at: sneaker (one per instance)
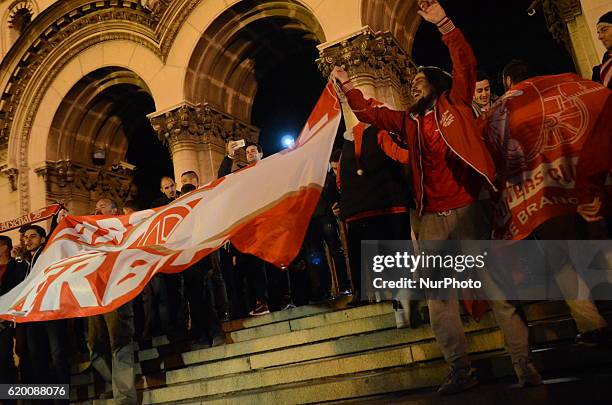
(593, 338)
(261, 308)
(458, 380)
(345, 292)
(527, 374)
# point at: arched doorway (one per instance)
(256, 62)
(101, 142)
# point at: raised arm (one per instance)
(367, 110)
(392, 149)
(462, 56)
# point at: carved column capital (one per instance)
(367, 52)
(177, 124)
(12, 174)
(67, 180)
(558, 13)
(199, 123)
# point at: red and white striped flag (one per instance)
(94, 264)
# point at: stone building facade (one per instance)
(184, 68)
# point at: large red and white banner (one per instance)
(536, 132)
(94, 264)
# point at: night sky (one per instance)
(499, 31)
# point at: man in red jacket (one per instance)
(449, 163)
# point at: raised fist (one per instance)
(431, 11)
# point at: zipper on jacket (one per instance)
(420, 164)
(455, 152)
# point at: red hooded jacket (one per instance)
(453, 112)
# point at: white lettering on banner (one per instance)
(71, 273)
(138, 266)
(112, 230)
(559, 174)
(93, 263)
(533, 208)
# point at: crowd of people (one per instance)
(400, 161)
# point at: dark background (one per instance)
(499, 31)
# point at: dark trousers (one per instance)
(164, 304)
(8, 370)
(215, 280)
(48, 340)
(236, 302)
(324, 229)
(279, 287)
(381, 227)
(253, 270)
(204, 319)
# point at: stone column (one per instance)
(179, 129)
(376, 64)
(569, 26)
(592, 10)
(196, 135)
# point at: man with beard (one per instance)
(449, 163)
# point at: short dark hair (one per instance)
(187, 188)
(5, 240)
(335, 155)
(259, 149)
(38, 229)
(517, 70)
(439, 79)
(132, 204)
(482, 75)
(190, 173)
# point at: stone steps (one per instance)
(284, 351)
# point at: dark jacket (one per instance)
(329, 196)
(453, 112)
(15, 274)
(226, 167)
(163, 200)
(382, 185)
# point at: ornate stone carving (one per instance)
(21, 15)
(199, 124)
(12, 173)
(68, 180)
(557, 14)
(367, 52)
(59, 36)
(56, 34)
